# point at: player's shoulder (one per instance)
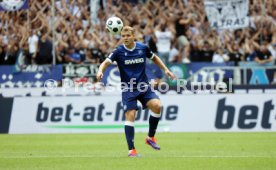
(141, 45)
(121, 47)
(118, 49)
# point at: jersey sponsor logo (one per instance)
(134, 61)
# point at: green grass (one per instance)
(221, 151)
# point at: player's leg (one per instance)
(129, 132)
(130, 107)
(151, 101)
(154, 106)
(129, 128)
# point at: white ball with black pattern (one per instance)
(114, 25)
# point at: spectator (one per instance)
(2, 50)
(234, 53)
(174, 55)
(207, 52)
(33, 43)
(72, 56)
(181, 28)
(103, 48)
(163, 41)
(44, 55)
(263, 55)
(2, 56)
(89, 59)
(150, 39)
(220, 56)
(272, 50)
(272, 45)
(186, 20)
(264, 36)
(11, 51)
(94, 55)
(60, 53)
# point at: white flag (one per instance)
(227, 14)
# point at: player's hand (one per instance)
(170, 74)
(99, 76)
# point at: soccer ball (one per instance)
(114, 25)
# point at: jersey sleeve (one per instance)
(113, 56)
(149, 53)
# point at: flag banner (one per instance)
(13, 5)
(30, 76)
(227, 14)
(180, 71)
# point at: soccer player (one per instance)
(131, 60)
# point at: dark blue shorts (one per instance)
(129, 98)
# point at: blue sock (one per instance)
(153, 123)
(129, 131)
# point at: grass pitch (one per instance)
(183, 151)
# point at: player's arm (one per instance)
(257, 59)
(102, 67)
(160, 64)
(112, 57)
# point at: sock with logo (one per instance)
(129, 131)
(153, 123)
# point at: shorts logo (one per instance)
(134, 61)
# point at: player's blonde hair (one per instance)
(128, 28)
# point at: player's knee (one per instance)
(130, 115)
(156, 108)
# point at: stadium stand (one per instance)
(186, 20)
(80, 36)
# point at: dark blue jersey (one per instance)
(132, 63)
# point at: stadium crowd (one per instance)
(178, 30)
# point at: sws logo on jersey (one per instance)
(134, 61)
